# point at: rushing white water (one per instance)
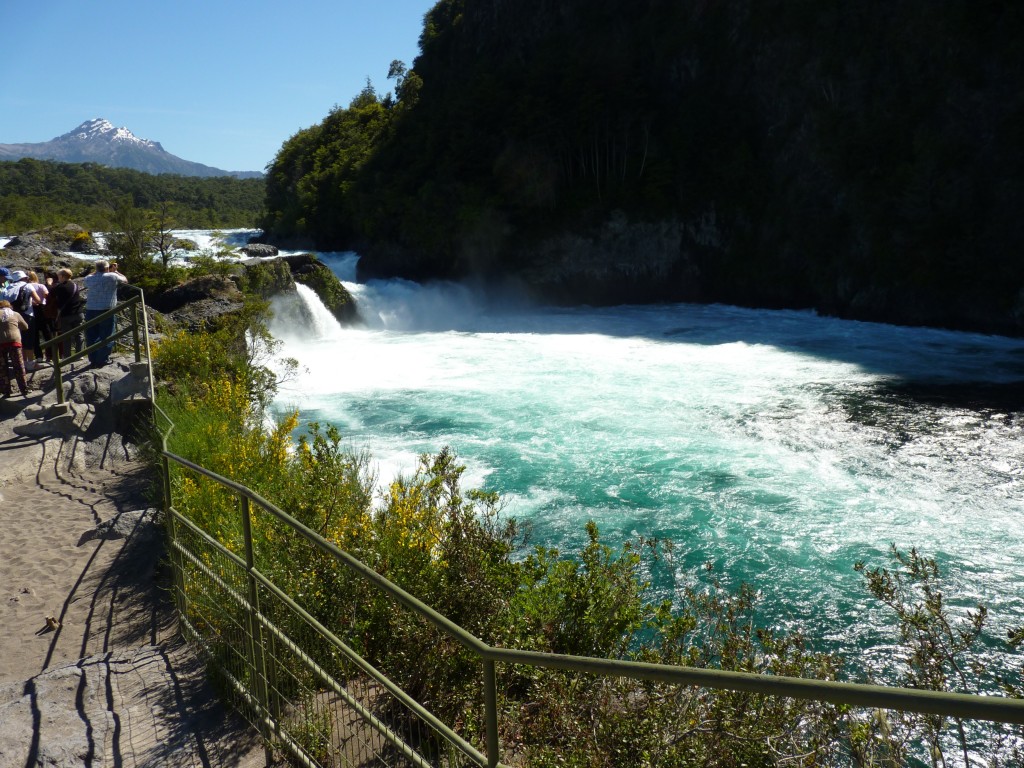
(781, 446)
(216, 240)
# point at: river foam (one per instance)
(780, 446)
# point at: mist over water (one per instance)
(780, 446)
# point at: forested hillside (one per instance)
(40, 193)
(862, 160)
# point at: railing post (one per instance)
(178, 566)
(135, 333)
(256, 656)
(491, 713)
(58, 380)
(145, 343)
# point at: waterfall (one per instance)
(301, 316)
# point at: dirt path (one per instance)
(105, 682)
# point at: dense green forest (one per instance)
(40, 193)
(861, 160)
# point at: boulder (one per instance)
(196, 290)
(200, 303)
(259, 250)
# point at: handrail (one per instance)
(122, 308)
(443, 623)
(992, 708)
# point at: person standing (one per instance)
(70, 308)
(11, 326)
(23, 300)
(48, 314)
(37, 320)
(102, 288)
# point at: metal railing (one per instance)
(297, 689)
(132, 313)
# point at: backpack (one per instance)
(23, 302)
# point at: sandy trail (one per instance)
(108, 683)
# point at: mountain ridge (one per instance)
(99, 141)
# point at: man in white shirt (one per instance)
(102, 288)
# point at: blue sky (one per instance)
(216, 82)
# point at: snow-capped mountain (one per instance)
(100, 130)
(99, 141)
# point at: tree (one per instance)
(161, 223)
(131, 238)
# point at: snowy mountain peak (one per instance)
(96, 127)
(99, 129)
(99, 141)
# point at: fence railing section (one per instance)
(313, 696)
(130, 321)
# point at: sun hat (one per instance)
(17, 275)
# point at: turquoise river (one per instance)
(780, 446)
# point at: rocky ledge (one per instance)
(198, 302)
(51, 248)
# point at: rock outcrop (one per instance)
(259, 250)
(601, 268)
(268, 277)
(49, 248)
(199, 303)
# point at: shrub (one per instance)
(940, 652)
(83, 242)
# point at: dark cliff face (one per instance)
(864, 161)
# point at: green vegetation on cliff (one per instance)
(863, 161)
(40, 193)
